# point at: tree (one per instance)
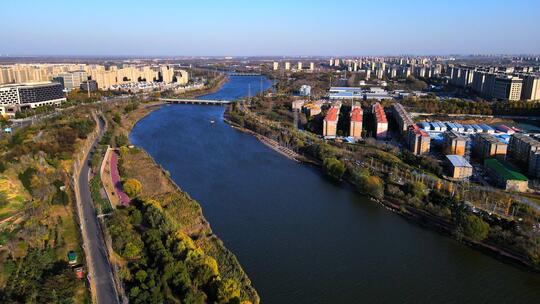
(132, 187)
(416, 189)
(334, 167)
(227, 291)
(474, 227)
(374, 186)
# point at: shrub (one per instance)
(474, 227)
(132, 187)
(333, 167)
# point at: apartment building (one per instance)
(454, 143)
(418, 140)
(486, 145)
(380, 121)
(402, 117)
(330, 122)
(523, 150)
(355, 128)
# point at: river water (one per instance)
(304, 239)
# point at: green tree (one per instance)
(374, 186)
(474, 227)
(227, 291)
(132, 187)
(334, 167)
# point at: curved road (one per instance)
(102, 274)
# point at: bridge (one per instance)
(244, 74)
(196, 101)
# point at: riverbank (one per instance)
(157, 185)
(213, 87)
(415, 214)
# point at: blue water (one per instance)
(240, 86)
(303, 239)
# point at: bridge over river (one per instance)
(196, 101)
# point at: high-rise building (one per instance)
(330, 122)
(402, 117)
(381, 123)
(299, 65)
(355, 128)
(276, 66)
(167, 73)
(523, 150)
(507, 88)
(312, 66)
(71, 80)
(287, 65)
(530, 89)
(89, 86)
(182, 76)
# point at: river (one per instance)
(304, 239)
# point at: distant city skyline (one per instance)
(269, 28)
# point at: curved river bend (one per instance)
(303, 239)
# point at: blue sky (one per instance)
(206, 27)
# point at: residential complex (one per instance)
(499, 84)
(71, 75)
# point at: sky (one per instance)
(268, 28)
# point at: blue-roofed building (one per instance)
(442, 126)
(426, 126)
(487, 129)
(435, 126)
(459, 127)
(477, 129)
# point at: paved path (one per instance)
(115, 177)
(103, 277)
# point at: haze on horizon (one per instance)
(268, 28)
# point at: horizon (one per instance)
(265, 29)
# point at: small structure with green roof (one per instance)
(72, 257)
(505, 177)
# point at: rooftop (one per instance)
(458, 161)
(356, 114)
(503, 171)
(331, 115)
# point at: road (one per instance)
(103, 277)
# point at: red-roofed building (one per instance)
(418, 140)
(381, 123)
(355, 129)
(330, 123)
